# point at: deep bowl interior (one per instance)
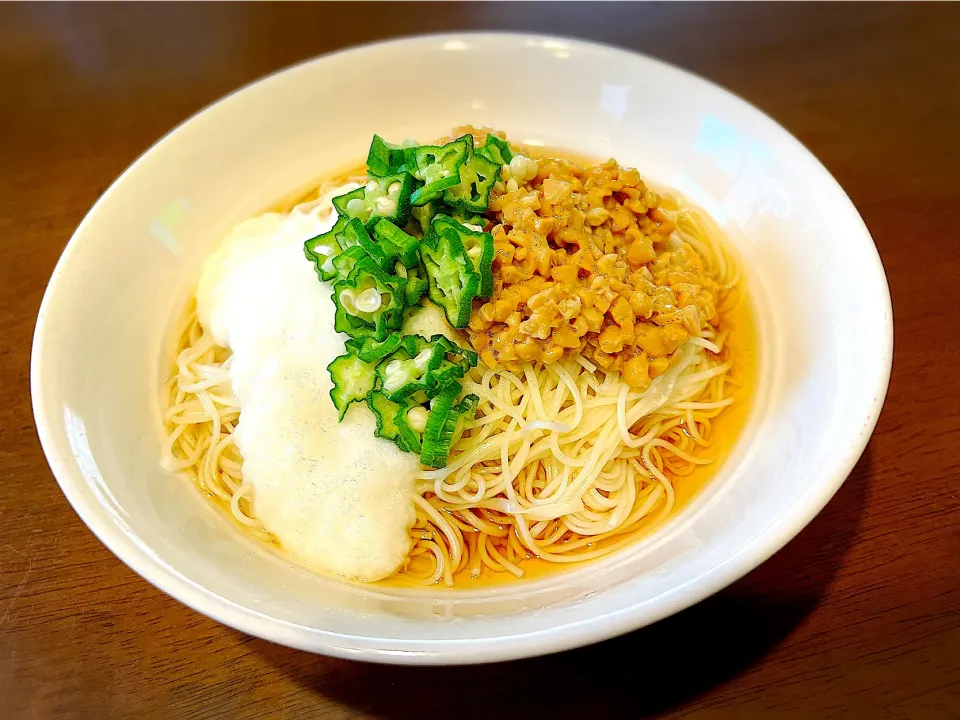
(814, 276)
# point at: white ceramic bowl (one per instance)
(824, 321)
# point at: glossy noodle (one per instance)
(564, 461)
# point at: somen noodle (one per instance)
(563, 461)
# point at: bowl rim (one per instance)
(138, 557)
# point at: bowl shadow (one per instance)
(639, 674)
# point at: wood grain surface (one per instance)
(858, 617)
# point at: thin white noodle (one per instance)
(564, 462)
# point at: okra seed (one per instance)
(417, 418)
(386, 205)
(348, 301)
(369, 301)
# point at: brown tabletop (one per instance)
(859, 616)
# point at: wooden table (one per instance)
(858, 617)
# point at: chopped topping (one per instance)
(357, 322)
(381, 265)
(443, 425)
(584, 263)
(352, 379)
(454, 281)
